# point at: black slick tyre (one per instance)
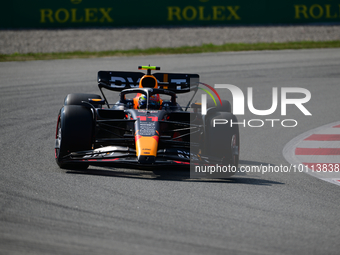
(78, 98)
(225, 107)
(223, 140)
(75, 129)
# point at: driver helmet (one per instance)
(154, 102)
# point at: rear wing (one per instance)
(176, 82)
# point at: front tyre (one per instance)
(75, 129)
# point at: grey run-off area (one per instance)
(47, 210)
(43, 41)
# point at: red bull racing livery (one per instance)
(145, 128)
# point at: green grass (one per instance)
(165, 51)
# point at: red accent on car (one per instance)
(142, 118)
(181, 162)
(156, 137)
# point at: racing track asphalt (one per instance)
(46, 210)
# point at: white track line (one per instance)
(335, 131)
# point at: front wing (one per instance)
(120, 156)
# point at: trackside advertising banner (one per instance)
(106, 13)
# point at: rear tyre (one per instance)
(222, 141)
(75, 129)
(225, 107)
(77, 98)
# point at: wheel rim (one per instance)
(58, 138)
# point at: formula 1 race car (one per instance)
(143, 130)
